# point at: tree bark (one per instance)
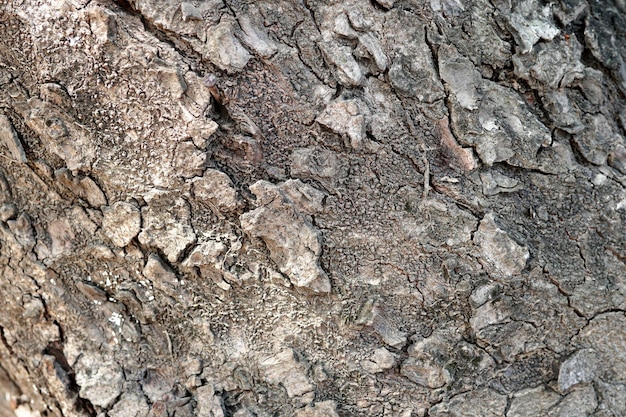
(279, 207)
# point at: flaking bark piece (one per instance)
(294, 243)
(167, 225)
(506, 255)
(11, 140)
(121, 223)
(216, 189)
(284, 369)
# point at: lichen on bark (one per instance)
(275, 207)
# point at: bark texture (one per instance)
(294, 208)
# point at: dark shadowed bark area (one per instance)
(238, 208)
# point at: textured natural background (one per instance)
(225, 208)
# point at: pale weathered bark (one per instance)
(282, 207)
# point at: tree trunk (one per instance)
(279, 207)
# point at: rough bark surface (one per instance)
(338, 208)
